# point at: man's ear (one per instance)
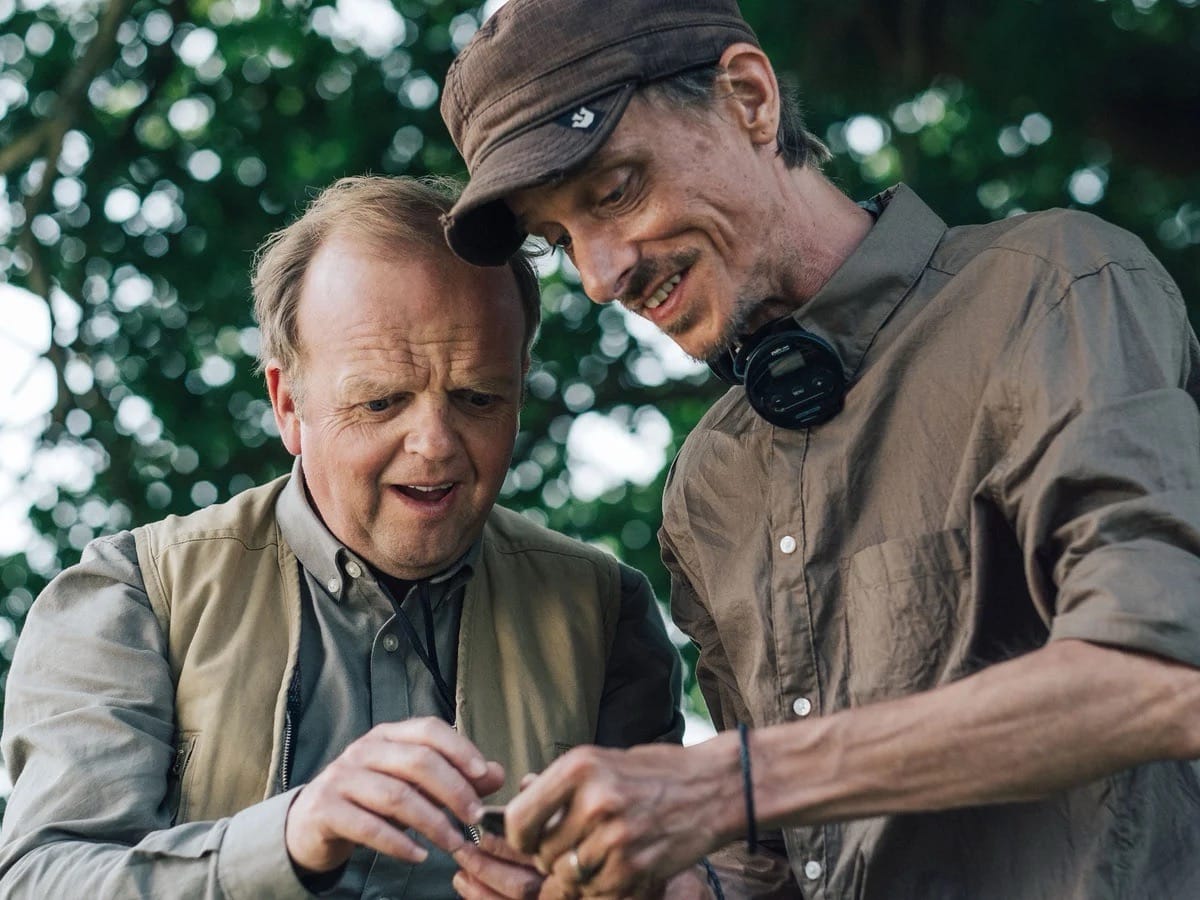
(285, 403)
(754, 91)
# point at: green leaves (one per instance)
(146, 149)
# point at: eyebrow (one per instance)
(362, 386)
(356, 386)
(595, 163)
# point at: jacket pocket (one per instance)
(903, 613)
(177, 796)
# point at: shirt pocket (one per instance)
(904, 601)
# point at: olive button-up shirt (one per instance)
(1018, 461)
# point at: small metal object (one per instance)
(492, 820)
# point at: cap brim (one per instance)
(481, 228)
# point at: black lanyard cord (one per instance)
(426, 650)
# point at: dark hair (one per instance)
(696, 88)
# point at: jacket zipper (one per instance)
(291, 714)
(285, 765)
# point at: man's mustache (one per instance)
(651, 271)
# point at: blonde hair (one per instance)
(394, 212)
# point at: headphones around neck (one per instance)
(793, 378)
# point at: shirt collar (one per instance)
(851, 308)
(328, 560)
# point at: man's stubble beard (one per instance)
(741, 323)
(742, 318)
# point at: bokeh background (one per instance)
(146, 149)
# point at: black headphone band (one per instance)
(721, 365)
(793, 377)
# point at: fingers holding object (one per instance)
(499, 847)
(414, 770)
(550, 815)
(323, 826)
(574, 874)
(606, 863)
(442, 738)
(499, 874)
(405, 803)
(469, 887)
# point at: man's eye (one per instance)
(562, 242)
(614, 196)
(379, 405)
(478, 400)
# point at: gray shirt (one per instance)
(89, 689)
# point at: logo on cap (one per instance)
(582, 118)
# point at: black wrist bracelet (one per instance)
(714, 883)
(748, 790)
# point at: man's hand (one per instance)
(630, 819)
(398, 775)
(690, 884)
(495, 870)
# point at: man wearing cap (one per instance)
(939, 550)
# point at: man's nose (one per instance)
(430, 430)
(604, 260)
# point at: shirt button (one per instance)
(353, 569)
(787, 544)
(802, 706)
(812, 870)
(390, 643)
(333, 585)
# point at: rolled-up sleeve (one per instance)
(88, 743)
(1103, 481)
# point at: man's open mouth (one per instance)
(664, 291)
(423, 493)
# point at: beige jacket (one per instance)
(174, 645)
(538, 621)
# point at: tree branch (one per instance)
(46, 139)
(99, 53)
(912, 51)
(29, 145)
(24, 148)
(155, 74)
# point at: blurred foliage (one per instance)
(147, 148)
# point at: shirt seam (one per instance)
(1057, 265)
(1044, 313)
(217, 536)
(1011, 388)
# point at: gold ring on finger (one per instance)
(583, 874)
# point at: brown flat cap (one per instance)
(542, 85)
